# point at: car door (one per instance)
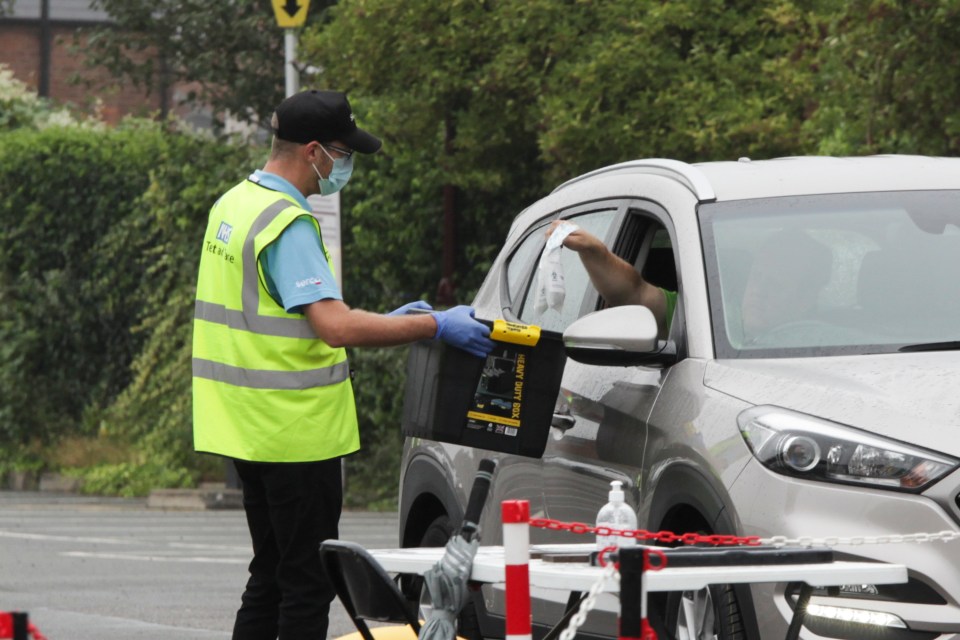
(520, 477)
(599, 430)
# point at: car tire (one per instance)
(707, 614)
(437, 534)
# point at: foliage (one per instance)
(700, 80)
(20, 107)
(99, 244)
(372, 474)
(65, 307)
(131, 479)
(890, 79)
(503, 100)
(230, 54)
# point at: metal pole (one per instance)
(46, 42)
(632, 606)
(290, 55)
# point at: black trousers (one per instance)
(291, 508)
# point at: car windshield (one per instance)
(833, 274)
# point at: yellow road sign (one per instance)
(291, 13)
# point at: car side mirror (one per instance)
(622, 336)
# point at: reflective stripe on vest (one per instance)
(249, 319)
(263, 379)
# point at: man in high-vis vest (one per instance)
(271, 382)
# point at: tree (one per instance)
(504, 100)
(890, 79)
(229, 54)
(699, 80)
(458, 117)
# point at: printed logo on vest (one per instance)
(223, 233)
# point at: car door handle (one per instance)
(563, 421)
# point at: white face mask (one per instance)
(339, 174)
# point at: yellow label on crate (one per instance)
(489, 417)
(515, 333)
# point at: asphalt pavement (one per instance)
(87, 568)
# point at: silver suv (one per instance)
(809, 385)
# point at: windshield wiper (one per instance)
(932, 346)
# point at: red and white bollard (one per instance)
(16, 625)
(516, 553)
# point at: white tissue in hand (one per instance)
(550, 285)
(556, 291)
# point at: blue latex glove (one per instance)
(457, 328)
(419, 304)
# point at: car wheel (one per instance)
(437, 535)
(708, 614)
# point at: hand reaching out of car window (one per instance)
(616, 279)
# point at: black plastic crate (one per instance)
(502, 403)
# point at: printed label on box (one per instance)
(499, 396)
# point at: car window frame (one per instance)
(591, 298)
(625, 208)
(655, 213)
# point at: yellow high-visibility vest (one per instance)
(265, 387)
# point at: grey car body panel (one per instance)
(891, 395)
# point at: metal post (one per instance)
(631, 593)
(46, 44)
(290, 56)
(634, 561)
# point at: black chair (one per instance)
(365, 589)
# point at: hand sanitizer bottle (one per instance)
(616, 515)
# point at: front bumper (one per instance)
(929, 605)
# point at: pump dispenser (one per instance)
(616, 515)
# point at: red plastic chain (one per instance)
(642, 534)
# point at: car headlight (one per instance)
(799, 445)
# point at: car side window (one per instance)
(577, 283)
(523, 260)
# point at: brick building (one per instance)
(37, 42)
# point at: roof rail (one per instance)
(686, 174)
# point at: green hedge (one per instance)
(99, 242)
(65, 306)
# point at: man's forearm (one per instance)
(344, 327)
(616, 280)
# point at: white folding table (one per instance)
(551, 568)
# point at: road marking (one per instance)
(73, 539)
(153, 558)
(198, 545)
(81, 539)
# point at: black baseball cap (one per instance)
(323, 116)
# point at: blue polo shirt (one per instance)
(294, 266)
